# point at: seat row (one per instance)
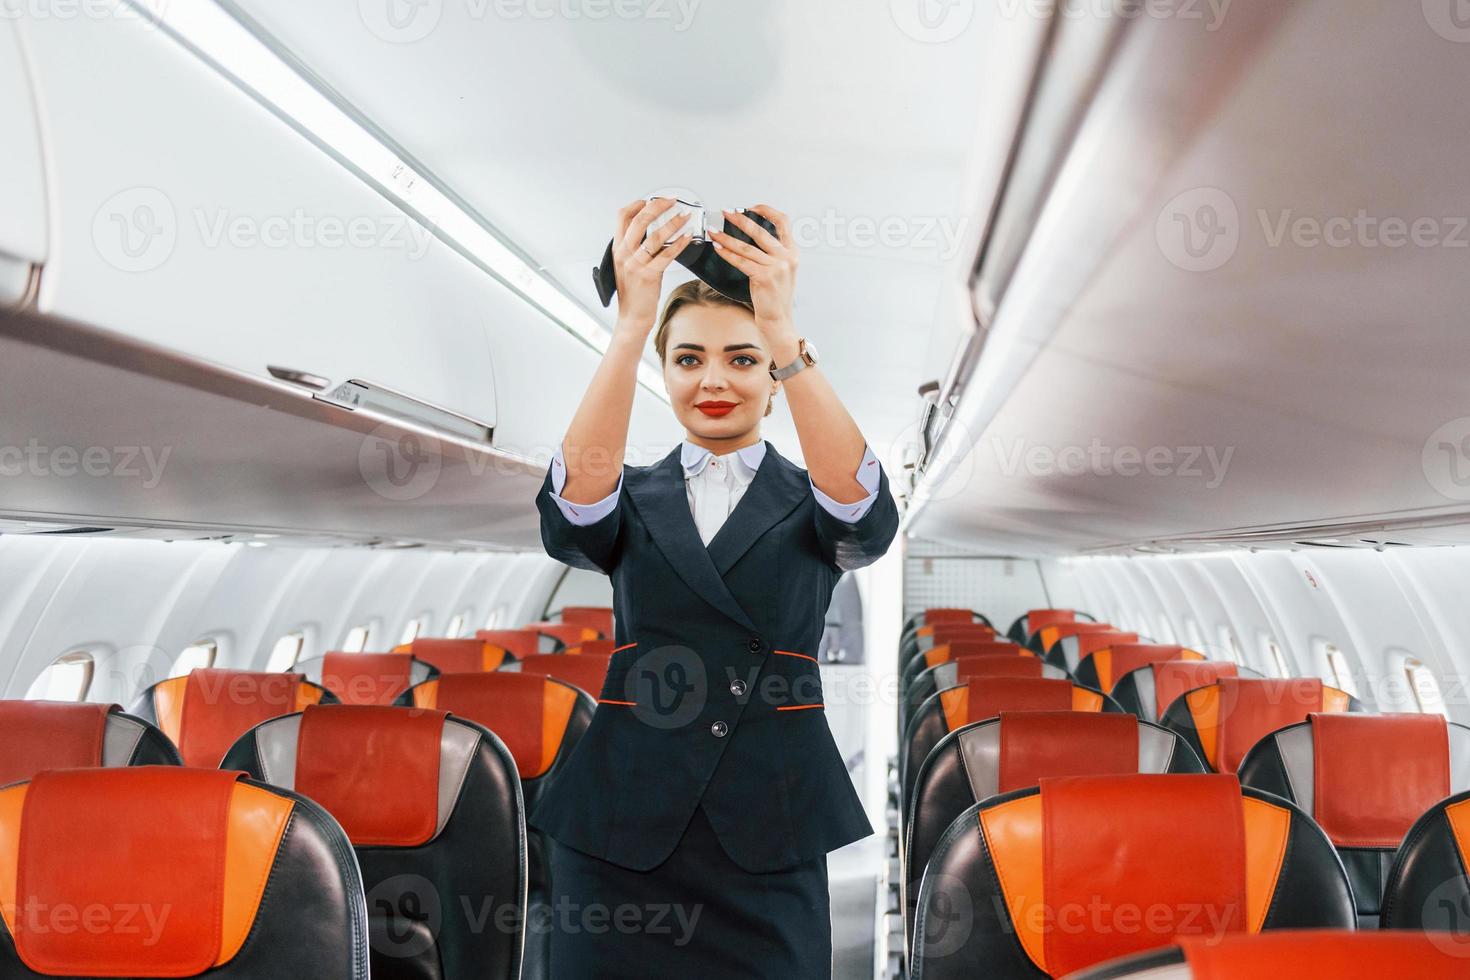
(115, 861)
(266, 805)
(1004, 770)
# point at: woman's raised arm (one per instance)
(598, 436)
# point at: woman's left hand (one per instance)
(771, 265)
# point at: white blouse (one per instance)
(715, 485)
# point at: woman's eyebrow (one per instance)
(728, 347)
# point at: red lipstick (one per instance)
(715, 409)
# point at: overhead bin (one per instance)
(191, 217)
(22, 175)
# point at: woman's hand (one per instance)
(640, 264)
(771, 265)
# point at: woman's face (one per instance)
(717, 371)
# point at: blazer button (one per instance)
(719, 729)
(755, 644)
(737, 687)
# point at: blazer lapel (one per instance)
(664, 504)
(774, 491)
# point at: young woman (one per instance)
(689, 831)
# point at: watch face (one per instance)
(810, 349)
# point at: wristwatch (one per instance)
(805, 358)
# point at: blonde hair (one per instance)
(695, 293)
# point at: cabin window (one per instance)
(456, 626)
(1277, 659)
(412, 630)
(357, 639)
(197, 657)
(1427, 696)
(1342, 674)
(285, 653)
(67, 678)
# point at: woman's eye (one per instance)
(686, 357)
(745, 358)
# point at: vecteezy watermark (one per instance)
(1199, 231)
(1207, 463)
(1446, 460)
(1202, 229)
(673, 919)
(941, 234)
(666, 688)
(1450, 19)
(399, 465)
(144, 463)
(302, 229)
(71, 10)
(949, 915)
(1363, 230)
(138, 229)
(407, 21)
(1445, 915)
(955, 455)
(932, 21)
(1211, 13)
(144, 920)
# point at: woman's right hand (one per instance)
(640, 264)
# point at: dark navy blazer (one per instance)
(714, 694)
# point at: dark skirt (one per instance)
(698, 914)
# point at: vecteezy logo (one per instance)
(400, 21)
(400, 465)
(955, 455)
(1199, 230)
(135, 230)
(1446, 460)
(1445, 916)
(404, 914)
(1449, 18)
(667, 687)
(932, 21)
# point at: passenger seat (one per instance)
(1050, 880)
(1015, 751)
(1032, 622)
(433, 809)
(587, 672)
(366, 678)
(1429, 884)
(1365, 779)
(599, 618)
(205, 712)
(1079, 646)
(1104, 668)
(1223, 720)
(41, 735)
(458, 656)
(540, 720)
(1294, 955)
(170, 872)
(951, 710)
(1148, 691)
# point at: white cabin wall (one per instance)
(579, 587)
(135, 605)
(1380, 609)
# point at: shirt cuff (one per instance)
(580, 514)
(868, 475)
